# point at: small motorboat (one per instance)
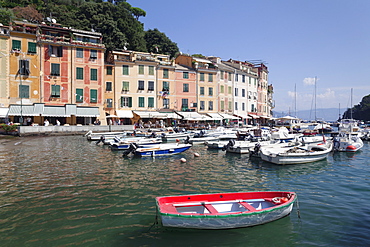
(295, 152)
(224, 210)
(140, 141)
(157, 149)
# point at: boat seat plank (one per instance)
(210, 208)
(247, 206)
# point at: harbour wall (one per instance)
(67, 130)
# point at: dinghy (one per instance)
(224, 210)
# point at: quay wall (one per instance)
(68, 130)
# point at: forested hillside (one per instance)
(118, 21)
(360, 111)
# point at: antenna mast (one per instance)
(315, 100)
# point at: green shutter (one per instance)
(79, 95)
(201, 77)
(165, 73)
(55, 90)
(31, 47)
(16, 45)
(93, 95)
(129, 101)
(125, 86)
(166, 86)
(109, 70)
(79, 73)
(141, 102)
(141, 69)
(24, 91)
(93, 74)
(150, 102)
(125, 70)
(151, 70)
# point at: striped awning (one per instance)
(87, 112)
(215, 116)
(24, 110)
(124, 114)
(228, 116)
(54, 111)
(151, 114)
(3, 112)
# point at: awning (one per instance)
(124, 114)
(3, 112)
(228, 116)
(27, 110)
(87, 112)
(54, 111)
(254, 116)
(150, 114)
(215, 116)
(173, 115)
(192, 115)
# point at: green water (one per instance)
(66, 191)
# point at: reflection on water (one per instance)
(58, 191)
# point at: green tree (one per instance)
(6, 16)
(158, 42)
(137, 12)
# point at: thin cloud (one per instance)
(309, 81)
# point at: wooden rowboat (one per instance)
(224, 210)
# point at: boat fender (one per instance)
(196, 155)
(183, 160)
(279, 200)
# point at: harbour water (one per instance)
(66, 191)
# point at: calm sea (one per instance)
(66, 191)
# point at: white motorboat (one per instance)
(295, 152)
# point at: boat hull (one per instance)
(161, 151)
(229, 214)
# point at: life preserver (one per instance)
(276, 200)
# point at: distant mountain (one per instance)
(326, 114)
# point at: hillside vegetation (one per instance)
(118, 21)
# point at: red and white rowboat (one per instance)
(224, 210)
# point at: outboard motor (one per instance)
(131, 149)
(102, 138)
(187, 140)
(230, 144)
(255, 150)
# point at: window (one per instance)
(125, 70)
(229, 76)
(201, 91)
(229, 90)
(79, 52)
(222, 105)
(230, 105)
(55, 69)
(24, 91)
(222, 75)
(141, 69)
(210, 105)
(222, 89)
(109, 70)
(109, 103)
(243, 78)
(166, 103)
(184, 104)
(24, 67)
(243, 92)
(125, 86)
(31, 47)
(243, 106)
(236, 92)
(141, 85)
(93, 54)
(55, 91)
(185, 75)
(93, 96)
(79, 73)
(166, 86)
(151, 70)
(79, 95)
(252, 108)
(126, 101)
(150, 85)
(108, 86)
(201, 106)
(151, 102)
(236, 77)
(55, 51)
(93, 74)
(165, 73)
(210, 91)
(185, 87)
(16, 45)
(236, 106)
(249, 95)
(201, 77)
(141, 101)
(210, 77)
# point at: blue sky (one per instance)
(297, 39)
